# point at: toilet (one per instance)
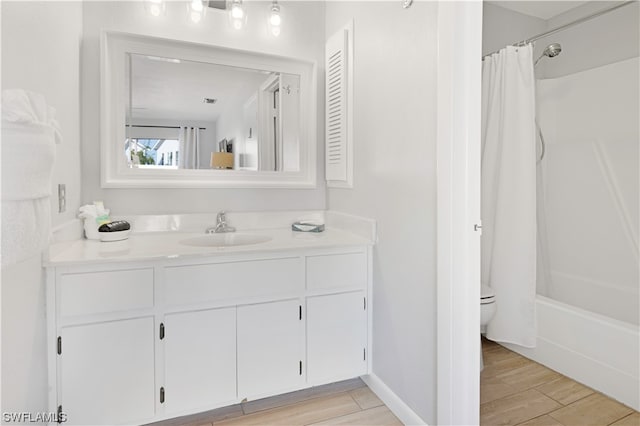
(487, 311)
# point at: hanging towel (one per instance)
(29, 108)
(29, 135)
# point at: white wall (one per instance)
(231, 126)
(302, 36)
(588, 109)
(584, 46)
(501, 27)
(40, 52)
(395, 183)
(609, 38)
(591, 188)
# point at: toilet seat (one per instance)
(487, 295)
(488, 308)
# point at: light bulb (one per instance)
(237, 14)
(197, 10)
(275, 19)
(197, 6)
(196, 17)
(237, 11)
(155, 7)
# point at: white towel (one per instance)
(26, 228)
(28, 153)
(29, 135)
(29, 108)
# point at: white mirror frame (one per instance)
(114, 171)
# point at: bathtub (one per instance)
(597, 351)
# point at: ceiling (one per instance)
(172, 89)
(539, 9)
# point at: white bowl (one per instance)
(114, 236)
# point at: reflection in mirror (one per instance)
(183, 114)
(176, 114)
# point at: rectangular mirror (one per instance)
(180, 114)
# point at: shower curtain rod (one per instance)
(159, 127)
(568, 25)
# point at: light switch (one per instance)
(62, 198)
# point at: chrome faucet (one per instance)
(221, 225)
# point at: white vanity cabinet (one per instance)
(336, 316)
(108, 365)
(199, 359)
(104, 345)
(270, 348)
(336, 337)
(141, 341)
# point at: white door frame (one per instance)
(458, 174)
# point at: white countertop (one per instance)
(167, 245)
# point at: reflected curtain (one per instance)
(189, 148)
(509, 193)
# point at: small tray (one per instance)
(307, 227)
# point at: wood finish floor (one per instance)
(513, 391)
(345, 403)
(517, 391)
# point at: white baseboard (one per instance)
(397, 406)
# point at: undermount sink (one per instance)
(225, 240)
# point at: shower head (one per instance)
(550, 51)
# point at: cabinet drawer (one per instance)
(219, 281)
(105, 291)
(337, 270)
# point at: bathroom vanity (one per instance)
(153, 328)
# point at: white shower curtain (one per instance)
(189, 148)
(509, 193)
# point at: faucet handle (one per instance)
(222, 216)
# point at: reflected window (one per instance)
(152, 153)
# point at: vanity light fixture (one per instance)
(237, 14)
(274, 18)
(197, 10)
(156, 7)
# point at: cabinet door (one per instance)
(270, 348)
(336, 337)
(200, 359)
(107, 372)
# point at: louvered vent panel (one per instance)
(335, 104)
(336, 107)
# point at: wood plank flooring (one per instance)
(513, 391)
(345, 403)
(517, 391)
